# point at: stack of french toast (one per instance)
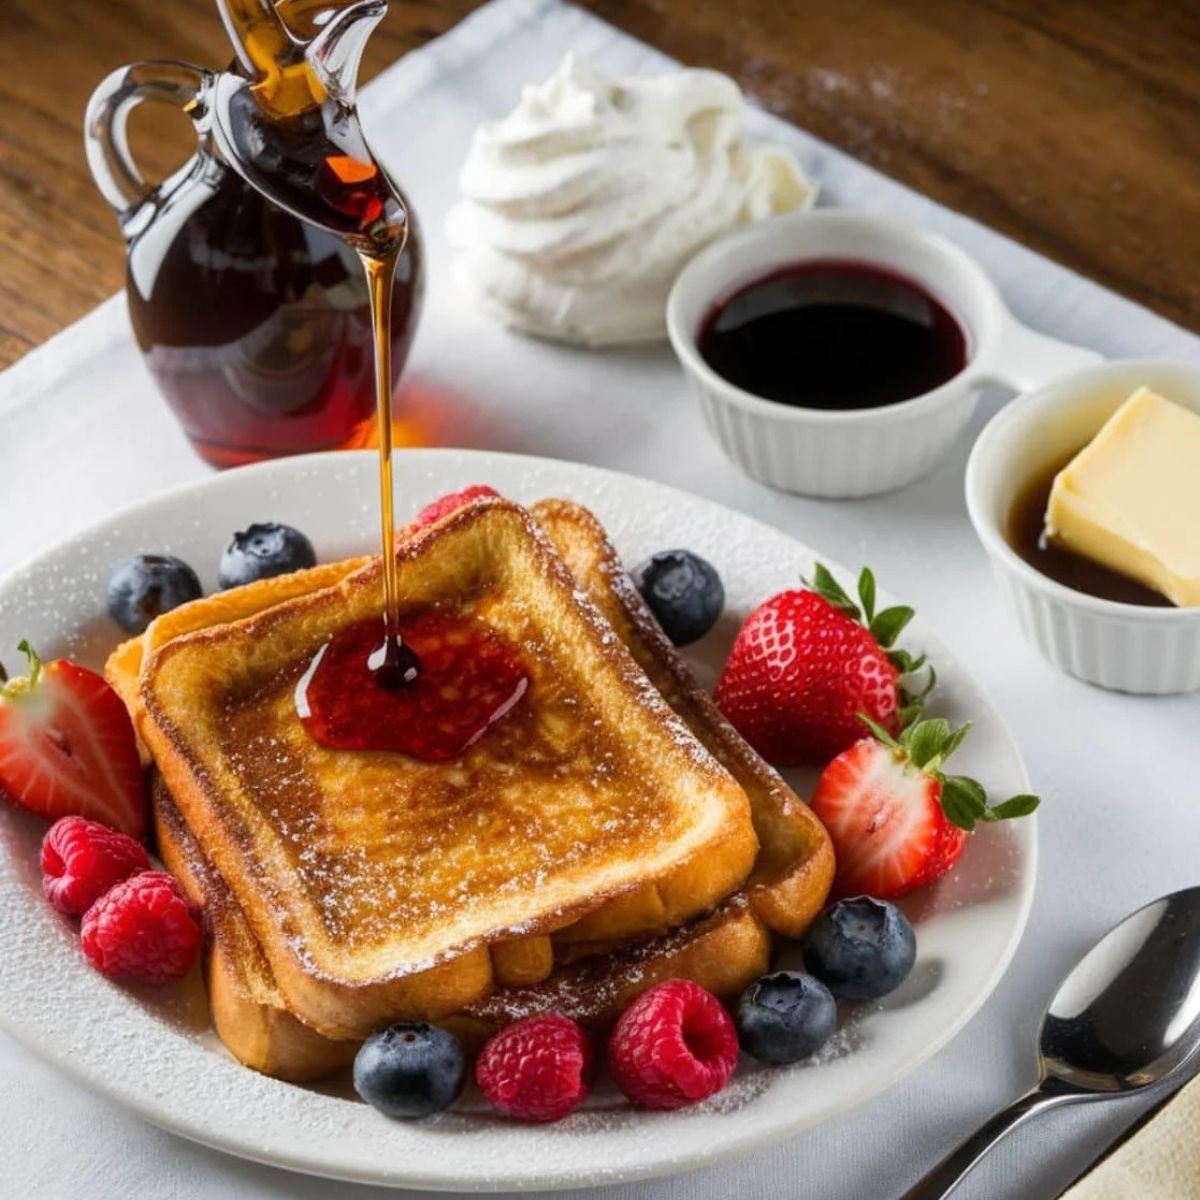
(612, 831)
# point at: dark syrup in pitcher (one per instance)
(833, 334)
(256, 326)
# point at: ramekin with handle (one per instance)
(855, 452)
(1125, 647)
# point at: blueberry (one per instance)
(263, 551)
(785, 1017)
(410, 1070)
(860, 949)
(143, 587)
(683, 591)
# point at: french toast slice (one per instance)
(723, 951)
(374, 882)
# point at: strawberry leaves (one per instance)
(963, 801)
(884, 626)
(35, 662)
(888, 625)
(1012, 808)
(924, 741)
(866, 593)
(926, 745)
(828, 588)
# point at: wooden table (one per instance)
(1074, 127)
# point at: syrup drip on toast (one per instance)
(393, 664)
(470, 678)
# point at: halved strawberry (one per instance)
(896, 821)
(807, 662)
(67, 747)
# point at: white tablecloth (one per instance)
(83, 432)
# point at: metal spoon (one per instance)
(1127, 1017)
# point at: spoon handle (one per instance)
(952, 1170)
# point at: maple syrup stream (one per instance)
(394, 664)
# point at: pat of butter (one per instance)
(1130, 499)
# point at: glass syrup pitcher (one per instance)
(245, 289)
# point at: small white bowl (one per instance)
(1126, 647)
(856, 452)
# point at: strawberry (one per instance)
(897, 822)
(806, 663)
(67, 747)
(443, 506)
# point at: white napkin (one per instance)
(84, 432)
(1160, 1162)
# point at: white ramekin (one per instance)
(864, 451)
(1125, 647)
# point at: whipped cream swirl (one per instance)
(582, 205)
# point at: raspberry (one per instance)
(534, 1069)
(82, 859)
(142, 929)
(674, 1045)
(445, 505)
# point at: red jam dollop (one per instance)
(469, 678)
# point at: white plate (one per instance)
(152, 1050)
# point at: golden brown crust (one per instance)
(651, 908)
(523, 961)
(724, 951)
(795, 866)
(247, 1010)
(495, 544)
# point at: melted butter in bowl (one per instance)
(1130, 499)
(1026, 533)
(1109, 463)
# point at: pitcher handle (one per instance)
(117, 175)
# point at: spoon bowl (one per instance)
(1127, 1017)
(1129, 1014)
